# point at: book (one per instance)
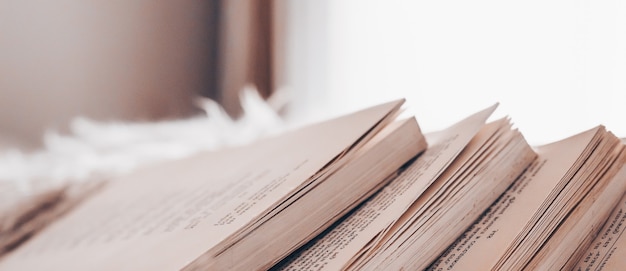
(359, 192)
(420, 213)
(21, 218)
(607, 250)
(545, 219)
(242, 208)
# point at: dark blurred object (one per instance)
(243, 53)
(24, 217)
(126, 60)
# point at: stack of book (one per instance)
(366, 191)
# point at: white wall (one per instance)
(557, 67)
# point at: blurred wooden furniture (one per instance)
(120, 60)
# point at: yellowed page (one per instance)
(477, 146)
(33, 214)
(335, 250)
(164, 217)
(568, 196)
(325, 204)
(471, 185)
(608, 250)
(482, 246)
(578, 229)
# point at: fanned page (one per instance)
(568, 243)
(608, 250)
(337, 247)
(25, 218)
(521, 210)
(316, 210)
(164, 217)
(487, 166)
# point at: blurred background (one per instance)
(556, 66)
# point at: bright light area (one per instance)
(557, 67)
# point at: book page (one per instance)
(25, 218)
(608, 250)
(494, 158)
(364, 175)
(335, 248)
(165, 216)
(484, 243)
(578, 230)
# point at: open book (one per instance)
(608, 250)
(244, 208)
(22, 218)
(420, 213)
(549, 216)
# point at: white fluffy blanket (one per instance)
(108, 149)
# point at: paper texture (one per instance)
(576, 232)
(32, 214)
(608, 250)
(325, 204)
(523, 218)
(337, 247)
(164, 217)
(486, 167)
